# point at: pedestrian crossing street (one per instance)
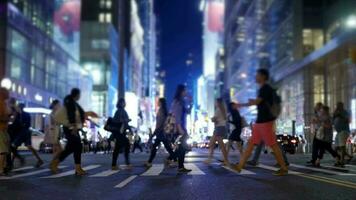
(198, 169)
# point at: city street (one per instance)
(160, 182)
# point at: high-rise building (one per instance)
(308, 52)
(33, 65)
(99, 52)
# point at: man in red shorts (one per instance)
(264, 128)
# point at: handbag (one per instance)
(61, 116)
(112, 126)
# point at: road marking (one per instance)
(71, 172)
(29, 173)
(243, 171)
(322, 170)
(155, 170)
(351, 166)
(195, 169)
(23, 168)
(125, 182)
(105, 173)
(276, 169)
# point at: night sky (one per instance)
(181, 34)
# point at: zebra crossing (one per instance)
(198, 169)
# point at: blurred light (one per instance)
(243, 75)
(351, 21)
(38, 110)
(38, 97)
(6, 83)
(202, 5)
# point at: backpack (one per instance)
(170, 126)
(276, 107)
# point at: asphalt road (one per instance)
(205, 182)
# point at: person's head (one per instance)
(262, 76)
(4, 94)
(325, 110)
(232, 106)
(340, 106)
(75, 94)
(55, 104)
(162, 102)
(318, 106)
(121, 103)
(181, 92)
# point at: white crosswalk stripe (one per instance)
(125, 182)
(243, 172)
(155, 170)
(22, 168)
(195, 169)
(29, 173)
(276, 169)
(105, 173)
(71, 172)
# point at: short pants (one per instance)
(220, 131)
(264, 132)
(341, 138)
(235, 136)
(23, 138)
(4, 142)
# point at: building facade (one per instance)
(308, 52)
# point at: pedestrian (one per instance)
(137, 143)
(121, 120)
(53, 134)
(4, 137)
(303, 143)
(25, 136)
(219, 120)
(268, 104)
(236, 124)
(325, 137)
(179, 110)
(76, 117)
(160, 135)
(315, 125)
(341, 120)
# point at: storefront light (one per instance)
(38, 97)
(6, 83)
(35, 110)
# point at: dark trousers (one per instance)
(74, 145)
(166, 144)
(327, 146)
(135, 146)
(315, 149)
(121, 142)
(181, 151)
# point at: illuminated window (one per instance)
(313, 39)
(101, 17)
(102, 3)
(108, 17)
(108, 4)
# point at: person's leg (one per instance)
(245, 155)
(115, 154)
(154, 150)
(223, 149)
(257, 153)
(211, 148)
(2, 163)
(279, 156)
(181, 156)
(285, 158)
(169, 149)
(315, 150)
(127, 152)
(228, 147)
(240, 147)
(328, 147)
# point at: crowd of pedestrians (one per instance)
(170, 130)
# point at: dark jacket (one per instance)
(72, 106)
(236, 120)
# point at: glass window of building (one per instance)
(313, 39)
(18, 44)
(101, 17)
(108, 4)
(102, 3)
(108, 18)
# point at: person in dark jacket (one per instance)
(76, 119)
(25, 135)
(160, 135)
(235, 120)
(180, 110)
(121, 141)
